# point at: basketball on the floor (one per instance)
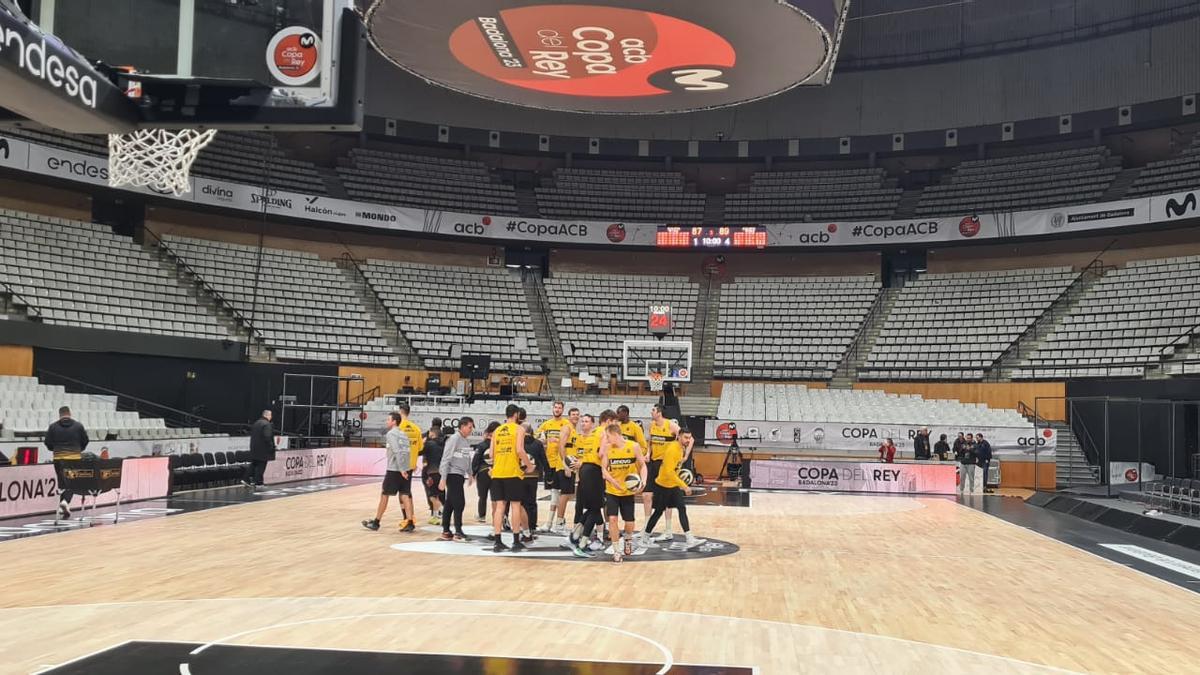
(633, 482)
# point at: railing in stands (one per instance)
(14, 294)
(1095, 269)
(128, 403)
(852, 352)
(198, 278)
(348, 261)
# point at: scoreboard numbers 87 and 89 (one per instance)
(712, 236)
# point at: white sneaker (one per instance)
(690, 541)
(665, 536)
(64, 509)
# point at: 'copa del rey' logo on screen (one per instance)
(610, 56)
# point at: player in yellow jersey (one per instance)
(589, 494)
(671, 489)
(662, 433)
(552, 432)
(509, 463)
(633, 431)
(619, 458)
(566, 476)
(416, 441)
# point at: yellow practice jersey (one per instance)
(587, 447)
(571, 445)
(505, 461)
(633, 431)
(668, 473)
(553, 429)
(660, 437)
(416, 440)
(622, 461)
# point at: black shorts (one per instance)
(508, 489)
(565, 482)
(432, 481)
(395, 483)
(667, 498)
(622, 506)
(591, 487)
(652, 468)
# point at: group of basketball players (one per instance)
(607, 464)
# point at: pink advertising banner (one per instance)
(33, 489)
(826, 476)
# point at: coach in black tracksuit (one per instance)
(67, 439)
(481, 466)
(262, 449)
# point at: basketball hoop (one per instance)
(656, 381)
(158, 159)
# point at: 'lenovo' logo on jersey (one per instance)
(1178, 208)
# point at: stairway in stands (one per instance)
(406, 356)
(1120, 184)
(698, 401)
(546, 333)
(333, 183)
(527, 204)
(856, 355)
(907, 206)
(714, 209)
(1025, 345)
(207, 297)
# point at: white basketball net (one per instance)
(159, 159)
(656, 381)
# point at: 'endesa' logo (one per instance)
(81, 168)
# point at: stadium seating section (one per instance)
(81, 274)
(535, 409)
(1023, 182)
(802, 196)
(28, 408)
(600, 194)
(789, 327)
(797, 403)
(955, 326)
(1124, 323)
(482, 310)
(594, 313)
(1170, 175)
(425, 182)
(304, 307)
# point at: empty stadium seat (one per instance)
(304, 307)
(789, 327)
(81, 274)
(424, 181)
(631, 196)
(956, 326)
(437, 306)
(799, 196)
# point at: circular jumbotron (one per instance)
(610, 56)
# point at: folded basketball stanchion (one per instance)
(94, 476)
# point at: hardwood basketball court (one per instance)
(821, 583)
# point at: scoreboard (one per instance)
(712, 237)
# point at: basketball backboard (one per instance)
(673, 359)
(223, 64)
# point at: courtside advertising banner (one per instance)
(929, 479)
(34, 488)
(92, 170)
(1009, 442)
(293, 465)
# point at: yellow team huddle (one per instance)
(605, 465)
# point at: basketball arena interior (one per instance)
(624, 336)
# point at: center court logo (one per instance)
(553, 547)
